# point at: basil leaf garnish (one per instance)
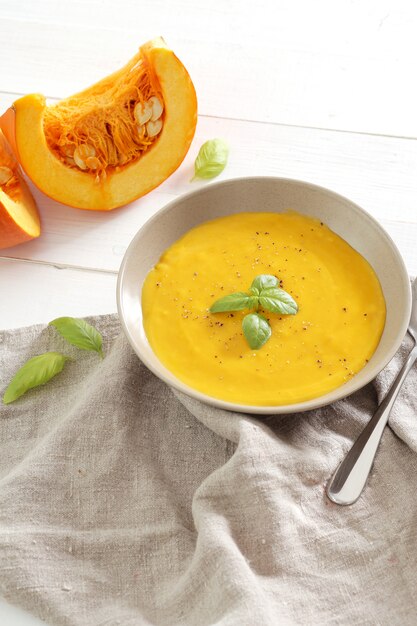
(253, 303)
(79, 333)
(256, 329)
(261, 282)
(211, 159)
(35, 372)
(265, 293)
(232, 302)
(277, 300)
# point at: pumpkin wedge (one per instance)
(113, 142)
(19, 218)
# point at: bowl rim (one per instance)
(308, 405)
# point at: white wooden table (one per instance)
(322, 91)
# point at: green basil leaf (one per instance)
(277, 300)
(261, 282)
(256, 329)
(35, 372)
(232, 302)
(79, 333)
(211, 159)
(253, 303)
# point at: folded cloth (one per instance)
(123, 502)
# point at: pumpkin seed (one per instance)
(68, 150)
(92, 163)
(82, 153)
(143, 112)
(157, 108)
(154, 128)
(78, 161)
(5, 174)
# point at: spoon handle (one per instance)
(350, 478)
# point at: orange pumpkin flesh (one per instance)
(127, 161)
(19, 218)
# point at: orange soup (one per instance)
(339, 322)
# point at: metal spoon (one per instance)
(350, 478)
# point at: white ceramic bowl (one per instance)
(344, 217)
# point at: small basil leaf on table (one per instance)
(35, 372)
(79, 333)
(232, 302)
(211, 159)
(277, 300)
(263, 281)
(256, 329)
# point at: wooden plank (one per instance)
(379, 173)
(35, 294)
(333, 65)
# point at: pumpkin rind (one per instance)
(80, 190)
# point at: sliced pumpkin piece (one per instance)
(19, 218)
(113, 142)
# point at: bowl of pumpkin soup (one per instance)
(264, 295)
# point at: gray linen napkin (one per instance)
(122, 502)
